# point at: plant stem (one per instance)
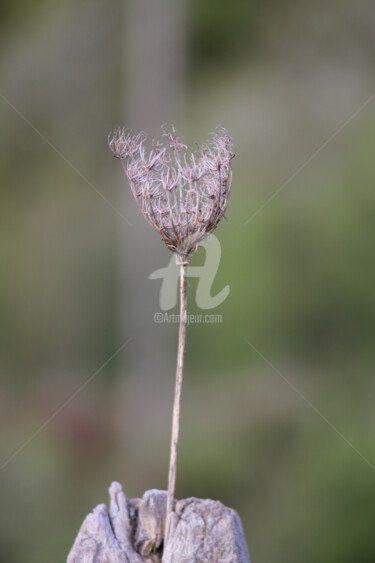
(177, 395)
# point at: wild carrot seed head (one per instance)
(183, 194)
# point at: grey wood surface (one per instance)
(132, 531)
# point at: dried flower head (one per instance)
(182, 194)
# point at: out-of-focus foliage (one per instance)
(283, 434)
(225, 32)
(16, 12)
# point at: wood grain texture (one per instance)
(132, 531)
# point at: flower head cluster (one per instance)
(182, 194)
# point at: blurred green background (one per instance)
(292, 81)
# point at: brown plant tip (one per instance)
(183, 194)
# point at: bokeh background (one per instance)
(281, 426)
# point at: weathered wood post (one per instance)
(132, 531)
